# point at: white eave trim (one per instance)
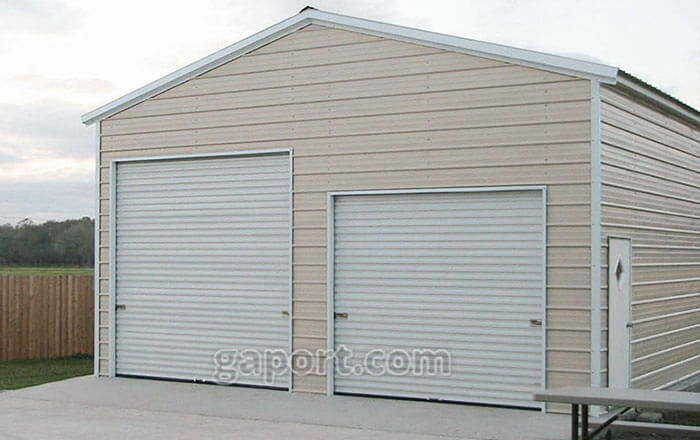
(631, 84)
(555, 63)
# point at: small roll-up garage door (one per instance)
(202, 255)
(454, 272)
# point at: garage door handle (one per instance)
(121, 307)
(285, 313)
(341, 316)
(535, 323)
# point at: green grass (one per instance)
(8, 270)
(25, 373)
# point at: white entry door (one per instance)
(619, 311)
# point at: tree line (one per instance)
(65, 243)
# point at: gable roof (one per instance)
(308, 15)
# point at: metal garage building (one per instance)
(336, 181)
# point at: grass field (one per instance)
(25, 373)
(8, 270)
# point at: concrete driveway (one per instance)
(120, 408)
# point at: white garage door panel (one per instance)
(202, 263)
(463, 272)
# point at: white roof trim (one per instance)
(198, 67)
(509, 54)
(555, 63)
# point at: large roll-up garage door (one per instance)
(455, 272)
(202, 259)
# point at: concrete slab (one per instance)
(140, 408)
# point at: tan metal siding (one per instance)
(363, 113)
(651, 182)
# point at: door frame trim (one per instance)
(113, 163)
(631, 277)
(330, 263)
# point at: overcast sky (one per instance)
(62, 58)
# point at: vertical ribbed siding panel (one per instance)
(651, 182)
(461, 272)
(202, 263)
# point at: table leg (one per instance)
(584, 422)
(574, 422)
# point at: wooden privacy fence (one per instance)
(46, 316)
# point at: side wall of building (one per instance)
(367, 113)
(650, 188)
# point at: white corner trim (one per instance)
(596, 236)
(96, 239)
(540, 60)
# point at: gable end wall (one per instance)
(365, 113)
